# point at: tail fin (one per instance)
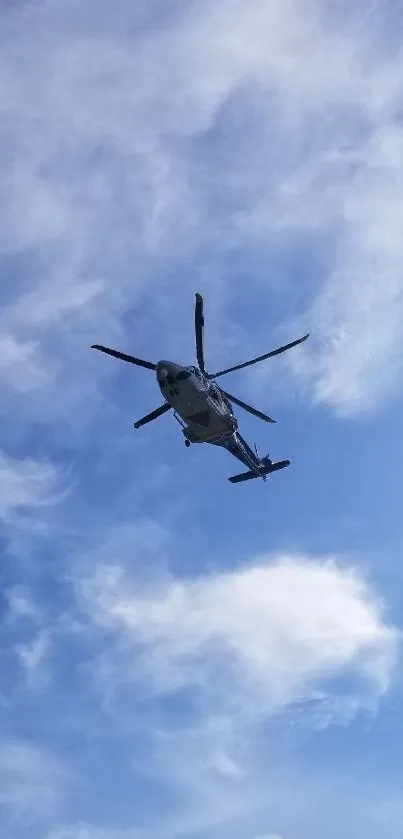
(248, 476)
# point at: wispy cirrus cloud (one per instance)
(32, 783)
(32, 655)
(133, 139)
(189, 681)
(250, 151)
(270, 632)
(25, 485)
(356, 314)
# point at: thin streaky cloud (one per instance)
(132, 128)
(179, 660)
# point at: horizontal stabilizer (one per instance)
(244, 476)
(274, 467)
(248, 476)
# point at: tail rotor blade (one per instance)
(130, 358)
(154, 415)
(261, 357)
(199, 330)
(249, 408)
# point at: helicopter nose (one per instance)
(167, 371)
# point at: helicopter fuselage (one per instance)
(204, 411)
(199, 403)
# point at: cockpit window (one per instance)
(184, 374)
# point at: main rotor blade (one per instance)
(260, 357)
(199, 329)
(154, 414)
(248, 408)
(131, 358)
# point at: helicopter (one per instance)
(202, 407)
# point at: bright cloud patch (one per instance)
(140, 146)
(252, 151)
(25, 484)
(30, 783)
(273, 630)
(356, 316)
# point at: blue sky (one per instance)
(182, 658)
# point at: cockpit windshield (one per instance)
(196, 372)
(183, 374)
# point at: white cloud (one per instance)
(82, 831)
(30, 638)
(309, 809)
(90, 831)
(20, 605)
(111, 178)
(112, 173)
(20, 367)
(357, 348)
(31, 783)
(223, 661)
(26, 485)
(268, 633)
(32, 656)
(269, 836)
